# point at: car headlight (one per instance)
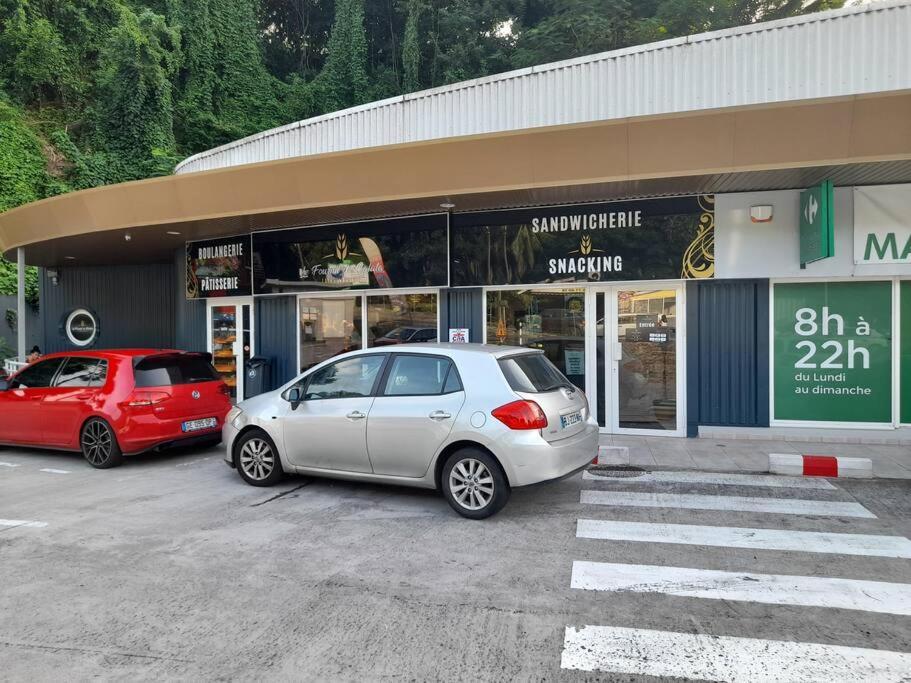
(233, 415)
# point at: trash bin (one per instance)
(258, 376)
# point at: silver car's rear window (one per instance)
(532, 373)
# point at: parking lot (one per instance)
(170, 567)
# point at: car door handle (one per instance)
(439, 415)
(356, 415)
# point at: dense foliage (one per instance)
(102, 91)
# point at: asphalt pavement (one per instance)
(171, 568)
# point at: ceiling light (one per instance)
(127, 236)
(173, 232)
(447, 205)
(69, 258)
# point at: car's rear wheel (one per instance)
(257, 459)
(474, 483)
(99, 444)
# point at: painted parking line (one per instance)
(645, 652)
(772, 481)
(754, 539)
(9, 464)
(689, 501)
(21, 522)
(772, 589)
(53, 471)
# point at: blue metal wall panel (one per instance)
(727, 354)
(276, 335)
(190, 315)
(463, 307)
(134, 304)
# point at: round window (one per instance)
(81, 327)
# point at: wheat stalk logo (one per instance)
(585, 246)
(341, 247)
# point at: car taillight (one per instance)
(521, 415)
(146, 398)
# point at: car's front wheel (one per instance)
(99, 444)
(257, 459)
(474, 483)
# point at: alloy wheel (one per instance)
(471, 484)
(256, 459)
(97, 442)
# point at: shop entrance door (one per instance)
(639, 359)
(230, 335)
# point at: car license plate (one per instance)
(196, 425)
(569, 420)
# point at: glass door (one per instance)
(231, 342)
(640, 354)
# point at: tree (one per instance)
(346, 66)
(411, 50)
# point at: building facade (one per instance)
(708, 236)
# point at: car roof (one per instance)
(109, 353)
(494, 350)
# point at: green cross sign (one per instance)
(817, 223)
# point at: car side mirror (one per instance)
(294, 397)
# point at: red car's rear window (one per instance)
(164, 371)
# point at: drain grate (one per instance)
(619, 471)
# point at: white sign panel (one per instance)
(882, 224)
(458, 335)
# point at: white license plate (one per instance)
(569, 420)
(196, 425)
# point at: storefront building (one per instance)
(742, 268)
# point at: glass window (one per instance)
(349, 378)
(170, 370)
(82, 372)
(38, 375)
(532, 373)
(552, 320)
(417, 375)
(453, 381)
(328, 327)
(401, 319)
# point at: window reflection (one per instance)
(401, 319)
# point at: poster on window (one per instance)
(832, 351)
(653, 239)
(383, 254)
(218, 268)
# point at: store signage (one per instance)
(882, 224)
(833, 351)
(218, 268)
(904, 353)
(653, 239)
(397, 252)
(458, 335)
(817, 223)
(80, 327)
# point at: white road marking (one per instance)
(690, 501)
(22, 522)
(772, 589)
(720, 479)
(646, 652)
(53, 471)
(8, 464)
(755, 539)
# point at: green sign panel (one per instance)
(817, 223)
(904, 353)
(833, 351)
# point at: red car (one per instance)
(108, 404)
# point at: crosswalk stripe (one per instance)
(784, 506)
(21, 522)
(755, 539)
(54, 471)
(647, 652)
(8, 464)
(773, 589)
(772, 481)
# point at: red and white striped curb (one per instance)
(820, 466)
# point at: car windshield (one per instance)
(170, 370)
(532, 373)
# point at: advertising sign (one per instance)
(81, 327)
(396, 252)
(882, 224)
(832, 351)
(218, 268)
(458, 335)
(634, 240)
(817, 223)
(904, 353)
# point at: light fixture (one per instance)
(54, 275)
(447, 205)
(69, 258)
(173, 232)
(761, 213)
(127, 236)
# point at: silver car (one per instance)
(471, 420)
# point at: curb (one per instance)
(820, 466)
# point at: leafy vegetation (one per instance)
(103, 91)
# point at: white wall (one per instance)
(744, 249)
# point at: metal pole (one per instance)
(20, 303)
